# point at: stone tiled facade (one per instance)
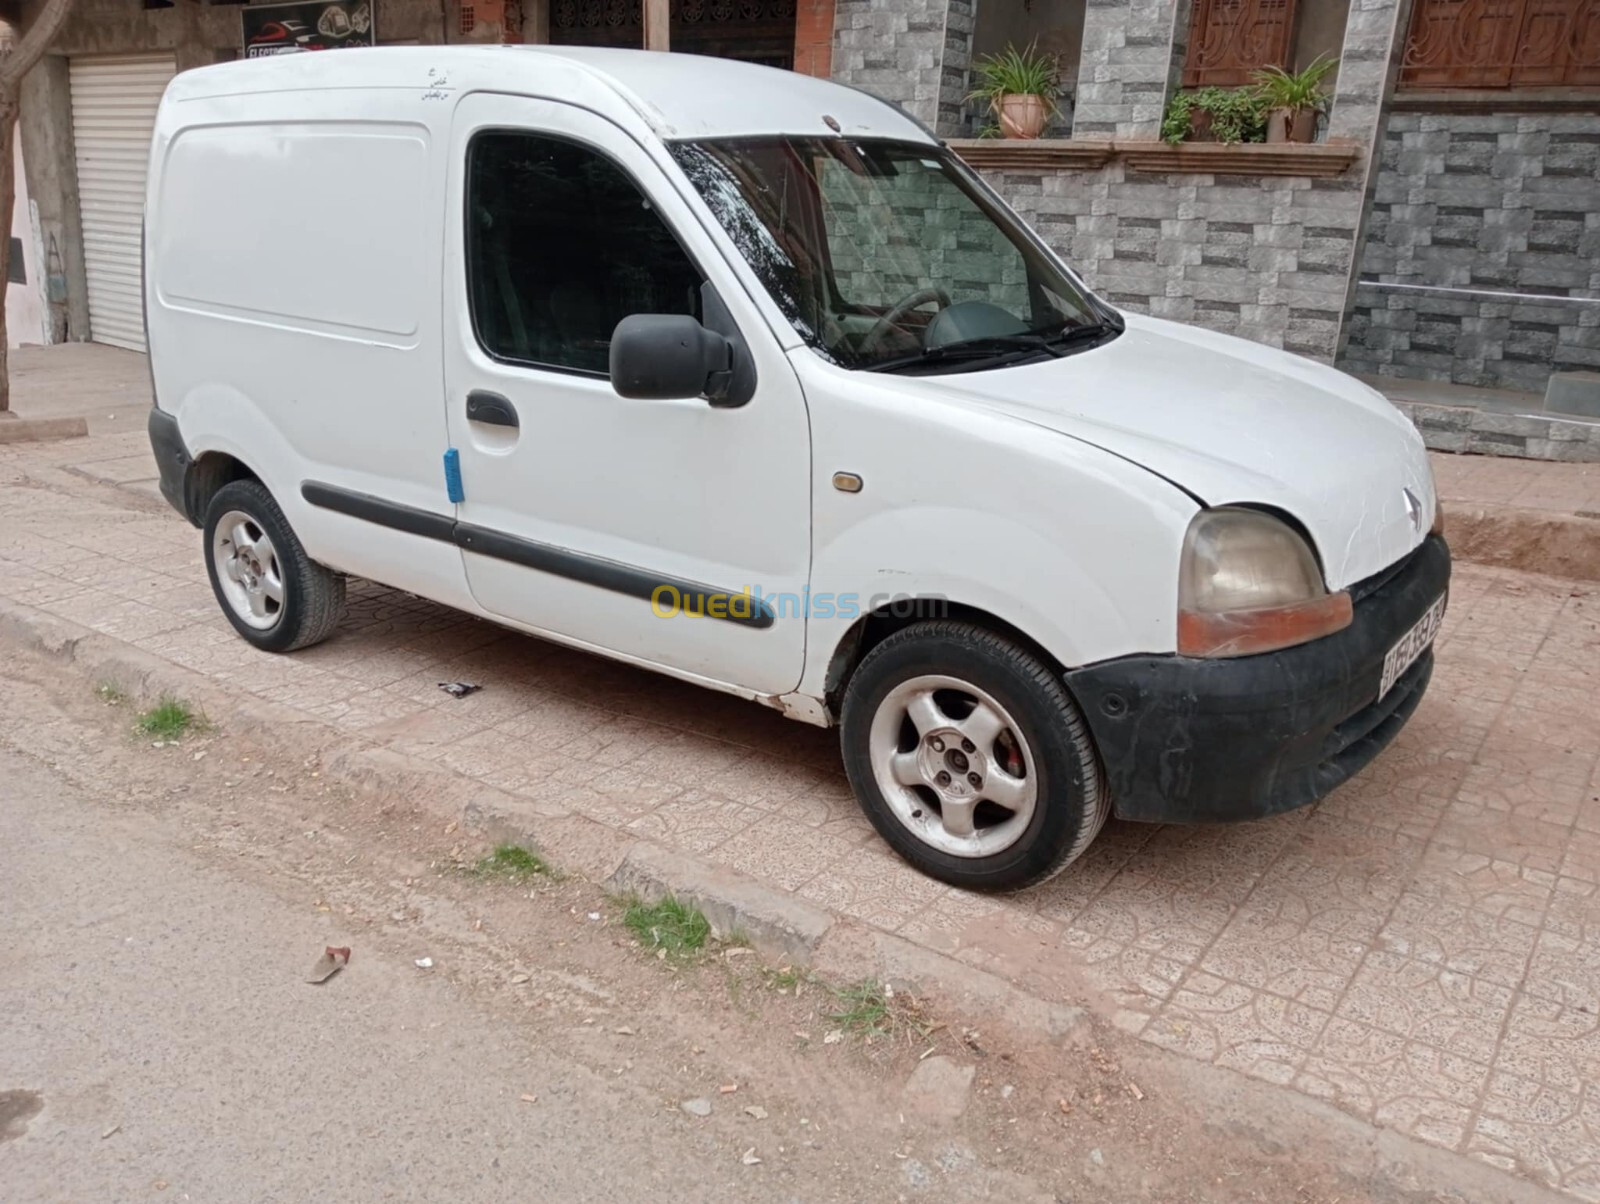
(1498, 214)
(1267, 258)
(1487, 433)
(1130, 52)
(896, 49)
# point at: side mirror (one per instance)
(665, 357)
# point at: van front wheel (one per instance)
(275, 596)
(970, 757)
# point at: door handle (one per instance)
(490, 409)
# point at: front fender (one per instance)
(1075, 547)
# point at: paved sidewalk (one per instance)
(1421, 949)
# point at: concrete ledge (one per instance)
(1152, 155)
(41, 430)
(1494, 433)
(778, 924)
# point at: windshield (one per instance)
(886, 255)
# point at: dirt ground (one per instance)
(606, 1039)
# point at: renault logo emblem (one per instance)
(1413, 509)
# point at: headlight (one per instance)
(1249, 583)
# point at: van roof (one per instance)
(676, 95)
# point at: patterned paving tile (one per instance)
(1422, 948)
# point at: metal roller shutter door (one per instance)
(114, 103)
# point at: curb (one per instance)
(779, 925)
(42, 430)
(1530, 541)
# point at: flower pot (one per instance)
(1292, 125)
(1200, 126)
(1023, 116)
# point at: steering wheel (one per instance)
(893, 316)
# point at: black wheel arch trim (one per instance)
(611, 575)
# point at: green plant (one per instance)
(1015, 72)
(1237, 114)
(511, 861)
(1175, 121)
(168, 719)
(1280, 89)
(864, 1008)
(672, 928)
(111, 693)
(871, 1009)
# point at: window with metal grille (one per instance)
(1230, 40)
(1502, 44)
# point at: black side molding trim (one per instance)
(691, 597)
(613, 575)
(376, 510)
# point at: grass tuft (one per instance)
(513, 862)
(111, 693)
(785, 978)
(871, 1009)
(168, 719)
(865, 1008)
(669, 927)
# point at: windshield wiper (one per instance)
(1002, 348)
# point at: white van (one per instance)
(742, 376)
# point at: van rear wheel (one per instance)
(970, 757)
(275, 595)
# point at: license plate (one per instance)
(1411, 645)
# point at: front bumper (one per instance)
(1185, 739)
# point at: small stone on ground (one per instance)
(938, 1089)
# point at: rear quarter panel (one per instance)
(294, 248)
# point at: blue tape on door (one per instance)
(452, 476)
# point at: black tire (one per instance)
(313, 597)
(1072, 801)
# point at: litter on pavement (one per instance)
(334, 958)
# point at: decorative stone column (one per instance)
(913, 53)
(1374, 40)
(1132, 50)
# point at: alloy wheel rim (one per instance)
(953, 765)
(248, 570)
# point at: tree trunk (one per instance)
(8, 204)
(17, 58)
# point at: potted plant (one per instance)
(1020, 88)
(1293, 99)
(1215, 115)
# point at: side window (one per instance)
(561, 246)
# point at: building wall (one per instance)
(195, 35)
(1269, 258)
(25, 311)
(1131, 51)
(1500, 213)
(913, 53)
(1266, 258)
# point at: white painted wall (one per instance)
(25, 309)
